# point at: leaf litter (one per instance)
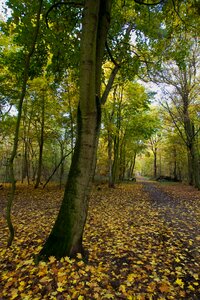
(143, 243)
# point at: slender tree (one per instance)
(41, 140)
(28, 56)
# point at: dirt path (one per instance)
(179, 216)
(178, 211)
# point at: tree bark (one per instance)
(41, 143)
(175, 165)
(67, 233)
(110, 162)
(155, 162)
(132, 167)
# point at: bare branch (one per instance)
(175, 122)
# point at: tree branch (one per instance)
(148, 4)
(56, 168)
(109, 84)
(175, 122)
(58, 4)
(176, 11)
(110, 55)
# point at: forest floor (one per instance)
(143, 240)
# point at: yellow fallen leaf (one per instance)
(151, 287)
(45, 279)
(80, 263)
(28, 262)
(67, 259)
(14, 294)
(60, 289)
(131, 277)
(177, 260)
(196, 276)
(191, 287)
(20, 288)
(75, 294)
(52, 259)
(22, 283)
(180, 282)
(42, 264)
(79, 256)
(109, 296)
(5, 275)
(122, 289)
(182, 294)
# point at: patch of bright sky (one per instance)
(4, 11)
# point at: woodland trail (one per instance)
(179, 215)
(142, 238)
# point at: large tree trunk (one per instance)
(193, 163)
(66, 235)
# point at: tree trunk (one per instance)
(15, 144)
(25, 162)
(122, 160)
(41, 143)
(110, 162)
(66, 235)
(194, 166)
(133, 164)
(175, 165)
(71, 120)
(155, 163)
(61, 164)
(115, 166)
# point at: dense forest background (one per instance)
(152, 130)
